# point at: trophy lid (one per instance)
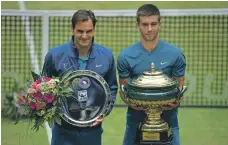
(153, 78)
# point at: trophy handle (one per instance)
(124, 91)
(124, 96)
(181, 92)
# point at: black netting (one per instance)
(203, 40)
(15, 49)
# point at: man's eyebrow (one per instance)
(149, 22)
(80, 30)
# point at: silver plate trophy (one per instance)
(90, 99)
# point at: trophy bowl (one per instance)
(152, 90)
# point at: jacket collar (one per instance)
(73, 51)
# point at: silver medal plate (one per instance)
(91, 98)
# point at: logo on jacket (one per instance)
(84, 83)
(65, 65)
(99, 65)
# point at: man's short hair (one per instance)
(147, 10)
(82, 16)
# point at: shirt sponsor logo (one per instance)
(99, 65)
(164, 62)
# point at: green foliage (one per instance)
(35, 76)
(10, 102)
(9, 109)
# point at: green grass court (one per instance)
(198, 126)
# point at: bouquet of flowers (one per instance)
(11, 102)
(43, 100)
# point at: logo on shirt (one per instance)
(65, 65)
(99, 65)
(164, 62)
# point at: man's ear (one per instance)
(137, 25)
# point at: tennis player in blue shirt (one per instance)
(137, 58)
(81, 53)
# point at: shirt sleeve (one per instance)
(112, 82)
(48, 66)
(123, 67)
(179, 66)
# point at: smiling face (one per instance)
(83, 32)
(149, 27)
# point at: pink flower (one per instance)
(37, 96)
(49, 98)
(38, 88)
(26, 99)
(31, 91)
(39, 80)
(32, 105)
(34, 85)
(40, 105)
(47, 79)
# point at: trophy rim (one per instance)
(152, 79)
(132, 83)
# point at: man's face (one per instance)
(83, 33)
(149, 27)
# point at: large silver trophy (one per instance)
(91, 98)
(152, 90)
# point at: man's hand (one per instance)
(98, 121)
(136, 107)
(172, 105)
(133, 106)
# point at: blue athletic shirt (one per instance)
(135, 59)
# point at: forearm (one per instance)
(112, 82)
(180, 82)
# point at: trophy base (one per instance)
(153, 143)
(153, 138)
